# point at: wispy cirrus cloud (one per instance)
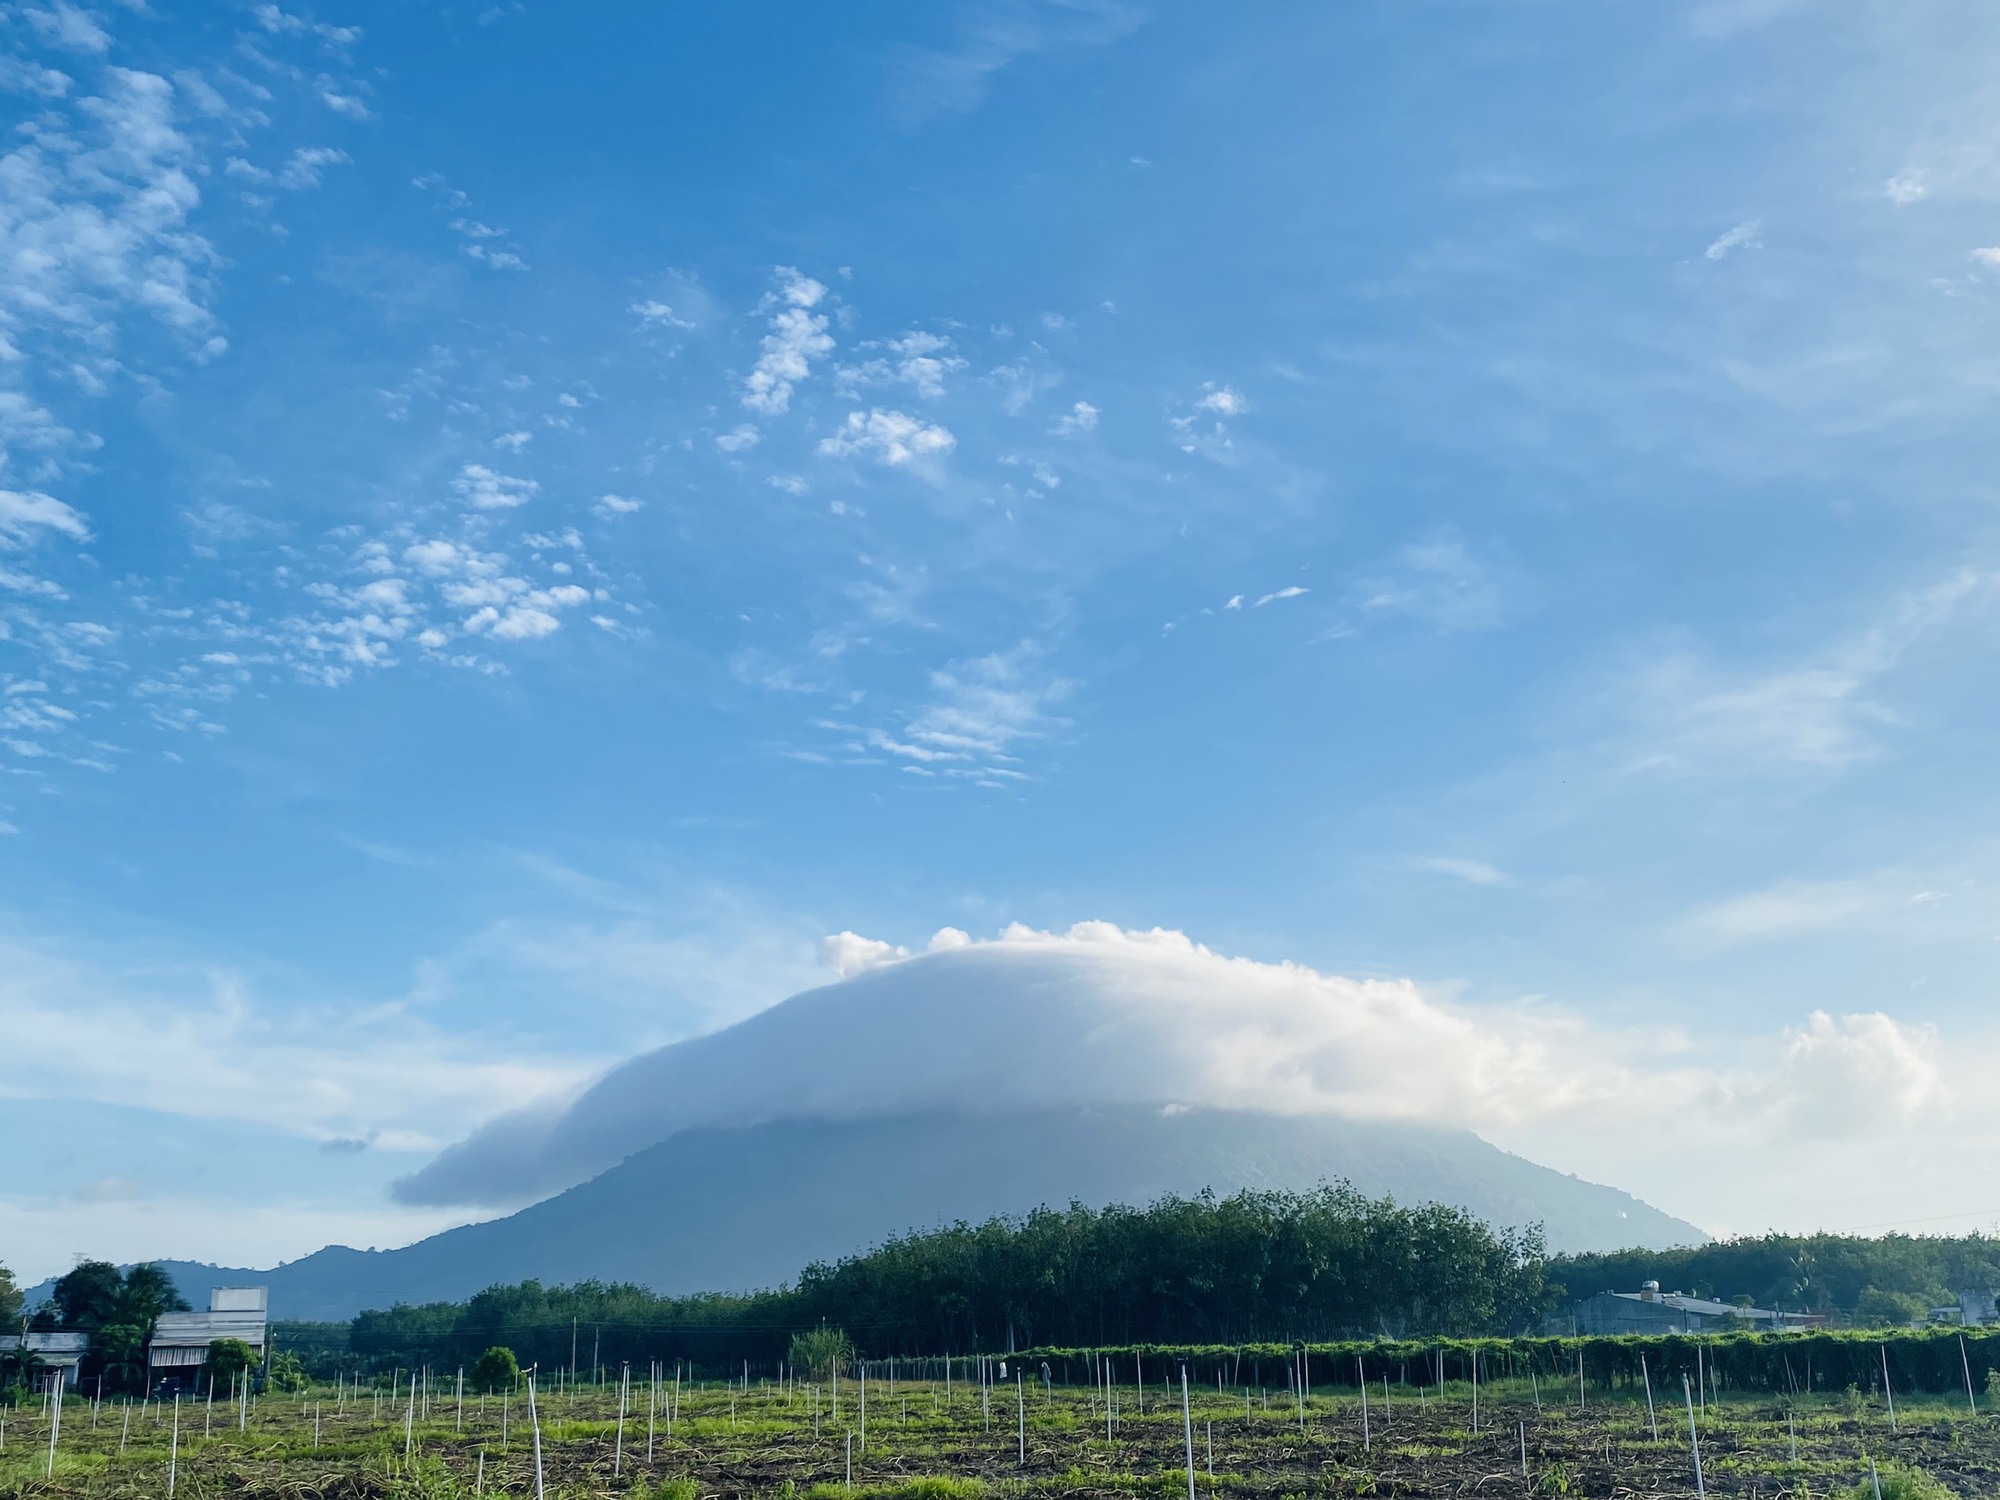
(1440, 582)
(955, 76)
(1692, 718)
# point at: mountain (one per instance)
(734, 1208)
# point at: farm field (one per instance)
(728, 1441)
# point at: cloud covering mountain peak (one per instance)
(1093, 1015)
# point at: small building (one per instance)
(1978, 1305)
(180, 1339)
(56, 1353)
(1650, 1310)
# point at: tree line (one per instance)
(1251, 1266)
(1894, 1278)
(1206, 1271)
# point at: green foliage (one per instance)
(676, 1489)
(1824, 1273)
(87, 1297)
(1875, 1308)
(10, 1301)
(117, 1309)
(496, 1370)
(228, 1358)
(288, 1373)
(148, 1292)
(821, 1353)
(923, 1487)
(1251, 1266)
(1900, 1482)
(119, 1350)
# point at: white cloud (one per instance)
(923, 360)
(1692, 719)
(1471, 871)
(1907, 187)
(848, 954)
(956, 77)
(280, 22)
(976, 722)
(1078, 420)
(67, 26)
(1290, 591)
(917, 359)
(95, 220)
(1093, 1015)
(656, 314)
(889, 437)
(19, 76)
(490, 490)
(1840, 1079)
(195, 1041)
(617, 505)
(738, 439)
(1987, 256)
(798, 336)
(344, 104)
(1100, 1015)
(1440, 582)
(1781, 911)
(1195, 432)
(43, 1231)
(26, 514)
(1743, 237)
(302, 169)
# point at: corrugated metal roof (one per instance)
(47, 1343)
(200, 1329)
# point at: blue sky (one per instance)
(519, 520)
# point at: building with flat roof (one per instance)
(180, 1339)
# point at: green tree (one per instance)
(87, 1297)
(118, 1310)
(148, 1291)
(119, 1352)
(1875, 1308)
(496, 1370)
(228, 1358)
(10, 1301)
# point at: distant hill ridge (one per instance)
(735, 1209)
